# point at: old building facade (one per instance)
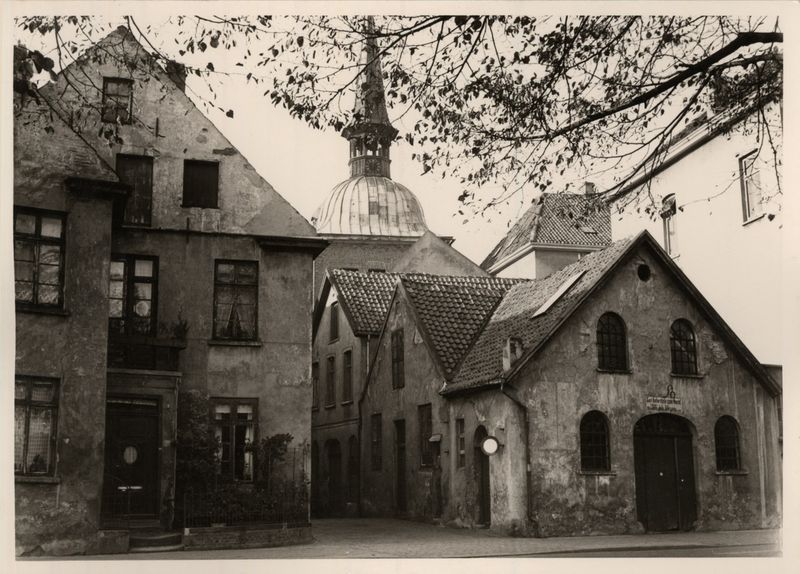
(608, 398)
(181, 270)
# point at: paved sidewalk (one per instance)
(387, 538)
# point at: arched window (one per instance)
(683, 348)
(594, 442)
(612, 346)
(726, 440)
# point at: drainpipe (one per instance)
(526, 425)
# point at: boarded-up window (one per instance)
(117, 100)
(137, 172)
(236, 300)
(132, 293)
(35, 414)
(38, 257)
(200, 184)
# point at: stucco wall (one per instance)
(563, 383)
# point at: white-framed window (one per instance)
(750, 178)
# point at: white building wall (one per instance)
(735, 264)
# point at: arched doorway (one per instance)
(481, 462)
(332, 483)
(664, 465)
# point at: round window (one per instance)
(643, 271)
(130, 454)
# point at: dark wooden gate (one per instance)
(664, 465)
(400, 464)
(130, 483)
(482, 478)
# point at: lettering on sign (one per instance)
(669, 403)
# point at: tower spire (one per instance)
(370, 132)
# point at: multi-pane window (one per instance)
(594, 442)
(726, 440)
(398, 351)
(347, 376)
(200, 183)
(35, 416)
(376, 441)
(235, 300)
(461, 443)
(750, 178)
(314, 385)
(235, 431)
(612, 346)
(425, 418)
(136, 171)
(117, 100)
(132, 290)
(330, 382)
(39, 257)
(334, 321)
(668, 213)
(683, 348)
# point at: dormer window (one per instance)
(117, 100)
(668, 211)
(512, 352)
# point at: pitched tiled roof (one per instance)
(557, 218)
(513, 317)
(453, 309)
(365, 297)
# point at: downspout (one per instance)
(526, 425)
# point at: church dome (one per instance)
(370, 205)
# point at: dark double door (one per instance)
(664, 466)
(130, 482)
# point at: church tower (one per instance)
(369, 219)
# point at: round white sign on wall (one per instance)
(130, 454)
(490, 445)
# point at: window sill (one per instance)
(200, 206)
(687, 376)
(753, 219)
(31, 479)
(39, 310)
(344, 403)
(740, 472)
(226, 343)
(615, 372)
(333, 406)
(597, 473)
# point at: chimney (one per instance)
(177, 73)
(589, 188)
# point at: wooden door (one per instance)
(664, 467)
(400, 464)
(130, 481)
(482, 478)
(137, 172)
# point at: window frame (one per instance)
(333, 322)
(197, 204)
(749, 212)
(425, 430)
(376, 441)
(722, 460)
(27, 403)
(129, 259)
(612, 347)
(234, 403)
(596, 440)
(330, 381)
(255, 287)
(35, 240)
(398, 359)
(686, 357)
(347, 376)
(108, 80)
